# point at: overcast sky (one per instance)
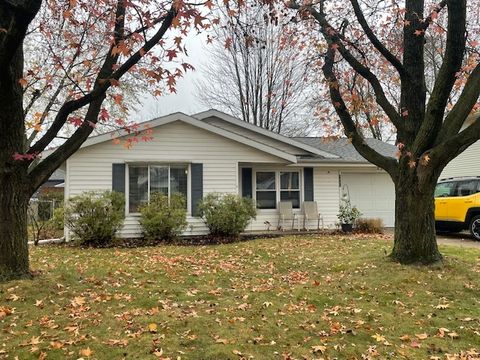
(185, 100)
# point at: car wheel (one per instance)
(475, 227)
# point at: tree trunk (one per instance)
(415, 240)
(13, 173)
(13, 230)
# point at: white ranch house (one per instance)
(215, 152)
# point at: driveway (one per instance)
(460, 239)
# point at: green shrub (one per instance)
(370, 226)
(163, 219)
(94, 217)
(226, 215)
(58, 219)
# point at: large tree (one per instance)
(254, 72)
(76, 54)
(384, 43)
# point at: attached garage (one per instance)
(372, 193)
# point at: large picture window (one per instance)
(144, 180)
(274, 186)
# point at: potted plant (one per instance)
(347, 216)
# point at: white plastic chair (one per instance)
(285, 209)
(310, 212)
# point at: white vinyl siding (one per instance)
(256, 136)
(465, 164)
(90, 168)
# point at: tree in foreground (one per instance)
(384, 45)
(71, 59)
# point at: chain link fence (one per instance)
(42, 210)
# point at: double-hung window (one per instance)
(274, 186)
(144, 180)
(290, 188)
(266, 190)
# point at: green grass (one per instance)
(287, 298)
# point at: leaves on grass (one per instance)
(291, 298)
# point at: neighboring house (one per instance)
(465, 164)
(54, 184)
(215, 152)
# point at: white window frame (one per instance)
(277, 186)
(299, 189)
(275, 190)
(168, 165)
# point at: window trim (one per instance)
(290, 190)
(277, 172)
(274, 190)
(148, 164)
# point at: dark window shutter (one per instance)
(196, 186)
(308, 183)
(118, 178)
(247, 182)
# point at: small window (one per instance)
(445, 189)
(466, 188)
(266, 190)
(290, 188)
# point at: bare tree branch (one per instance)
(457, 116)
(392, 59)
(446, 77)
(388, 164)
(334, 40)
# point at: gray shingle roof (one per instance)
(343, 147)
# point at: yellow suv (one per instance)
(457, 205)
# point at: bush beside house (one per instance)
(226, 215)
(94, 217)
(163, 218)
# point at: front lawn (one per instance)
(288, 298)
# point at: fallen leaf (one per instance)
(421, 336)
(453, 335)
(319, 348)
(56, 345)
(115, 342)
(415, 344)
(78, 301)
(86, 352)
(378, 338)
(152, 328)
(13, 297)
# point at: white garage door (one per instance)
(373, 194)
